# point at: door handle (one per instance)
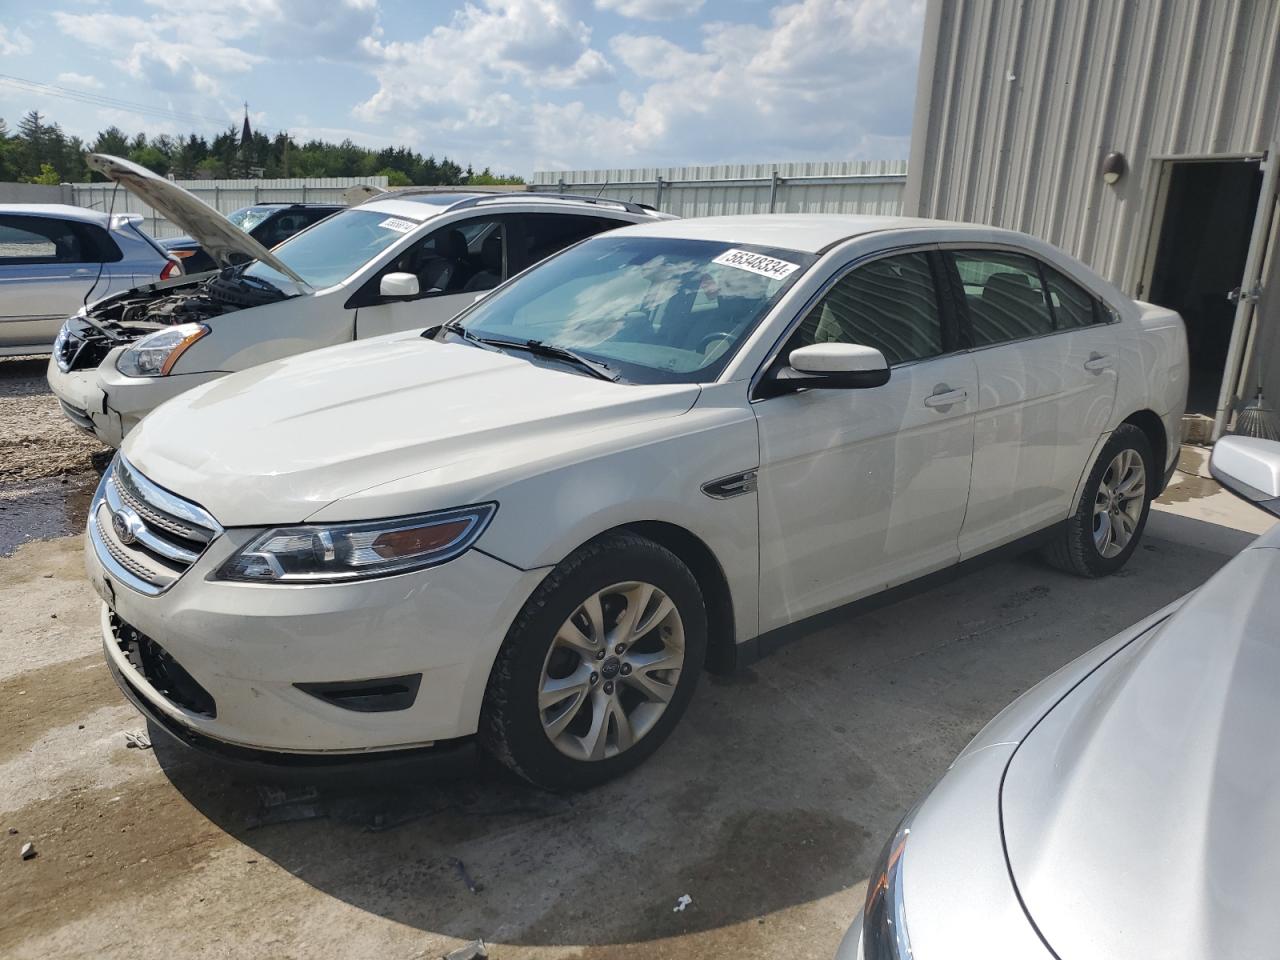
(1097, 362)
(945, 398)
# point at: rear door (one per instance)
(1046, 359)
(862, 489)
(47, 267)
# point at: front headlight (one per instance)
(59, 345)
(884, 927)
(156, 353)
(334, 553)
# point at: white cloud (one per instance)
(826, 79)
(651, 9)
(72, 79)
(13, 42)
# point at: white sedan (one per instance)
(661, 450)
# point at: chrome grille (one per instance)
(147, 536)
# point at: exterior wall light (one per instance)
(1113, 167)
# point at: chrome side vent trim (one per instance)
(731, 486)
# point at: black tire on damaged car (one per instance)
(511, 727)
(1075, 549)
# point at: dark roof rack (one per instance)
(479, 197)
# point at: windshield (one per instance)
(660, 310)
(335, 248)
(246, 218)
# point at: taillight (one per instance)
(172, 268)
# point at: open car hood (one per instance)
(218, 235)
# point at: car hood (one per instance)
(275, 443)
(219, 237)
(1139, 814)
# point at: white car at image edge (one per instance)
(662, 449)
(398, 261)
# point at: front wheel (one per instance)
(1108, 522)
(598, 667)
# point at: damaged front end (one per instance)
(87, 338)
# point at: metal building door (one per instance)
(1255, 332)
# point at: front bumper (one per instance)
(249, 646)
(104, 402)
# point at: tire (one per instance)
(553, 649)
(1079, 549)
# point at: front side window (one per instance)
(40, 240)
(336, 248)
(659, 309)
(890, 304)
(1004, 296)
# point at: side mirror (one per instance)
(398, 286)
(831, 366)
(1250, 468)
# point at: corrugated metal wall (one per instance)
(870, 187)
(1019, 102)
(223, 195)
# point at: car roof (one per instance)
(291, 203)
(404, 201)
(804, 232)
(63, 211)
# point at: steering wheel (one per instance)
(711, 338)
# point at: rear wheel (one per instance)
(1108, 522)
(598, 667)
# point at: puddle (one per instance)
(43, 509)
(1186, 487)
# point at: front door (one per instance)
(1045, 351)
(453, 264)
(864, 489)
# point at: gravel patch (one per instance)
(36, 440)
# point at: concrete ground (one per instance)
(766, 807)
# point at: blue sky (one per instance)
(517, 85)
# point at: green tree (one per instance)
(395, 178)
(47, 175)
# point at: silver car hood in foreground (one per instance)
(218, 235)
(1140, 815)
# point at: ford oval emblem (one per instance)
(123, 525)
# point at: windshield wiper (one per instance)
(536, 347)
(541, 349)
(454, 327)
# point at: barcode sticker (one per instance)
(398, 225)
(770, 267)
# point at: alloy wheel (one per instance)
(1118, 504)
(612, 668)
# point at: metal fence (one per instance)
(34, 193)
(865, 187)
(224, 196)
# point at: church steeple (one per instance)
(246, 135)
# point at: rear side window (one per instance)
(45, 240)
(536, 236)
(890, 304)
(1072, 306)
(1004, 296)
